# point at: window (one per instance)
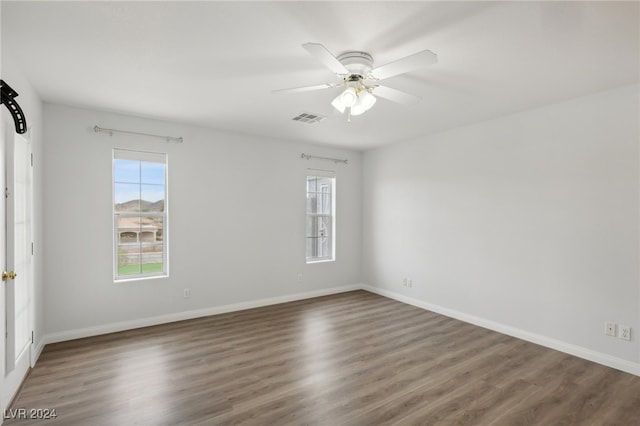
(320, 215)
(140, 214)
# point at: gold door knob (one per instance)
(11, 275)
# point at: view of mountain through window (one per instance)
(139, 193)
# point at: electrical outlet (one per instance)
(187, 293)
(610, 328)
(404, 282)
(410, 283)
(624, 332)
(299, 278)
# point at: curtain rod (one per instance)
(335, 160)
(112, 131)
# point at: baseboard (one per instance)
(36, 350)
(579, 351)
(185, 315)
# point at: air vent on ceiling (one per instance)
(309, 118)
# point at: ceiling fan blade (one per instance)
(325, 57)
(395, 95)
(406, 64)
(305, 88)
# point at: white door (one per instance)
(18, 260)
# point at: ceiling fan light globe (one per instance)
(357, 109)
(338, 104)
(349, 97)
(366, 99)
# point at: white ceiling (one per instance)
(215, 64)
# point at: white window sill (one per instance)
(148, 277)
(320, 261)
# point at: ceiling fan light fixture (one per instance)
(349, 97)
(357, 110)
(366, 99)
(338, 104)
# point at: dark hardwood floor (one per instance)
(348, 359)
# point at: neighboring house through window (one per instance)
(140, 214)
(320, 215)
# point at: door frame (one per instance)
(14, 373)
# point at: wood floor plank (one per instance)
(348, 359)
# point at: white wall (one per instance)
(237, 220)
(31, 105)
(528, 222)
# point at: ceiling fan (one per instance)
(360, 79)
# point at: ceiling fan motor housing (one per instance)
(358, 63)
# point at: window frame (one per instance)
(324, 174)
(142, 156)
